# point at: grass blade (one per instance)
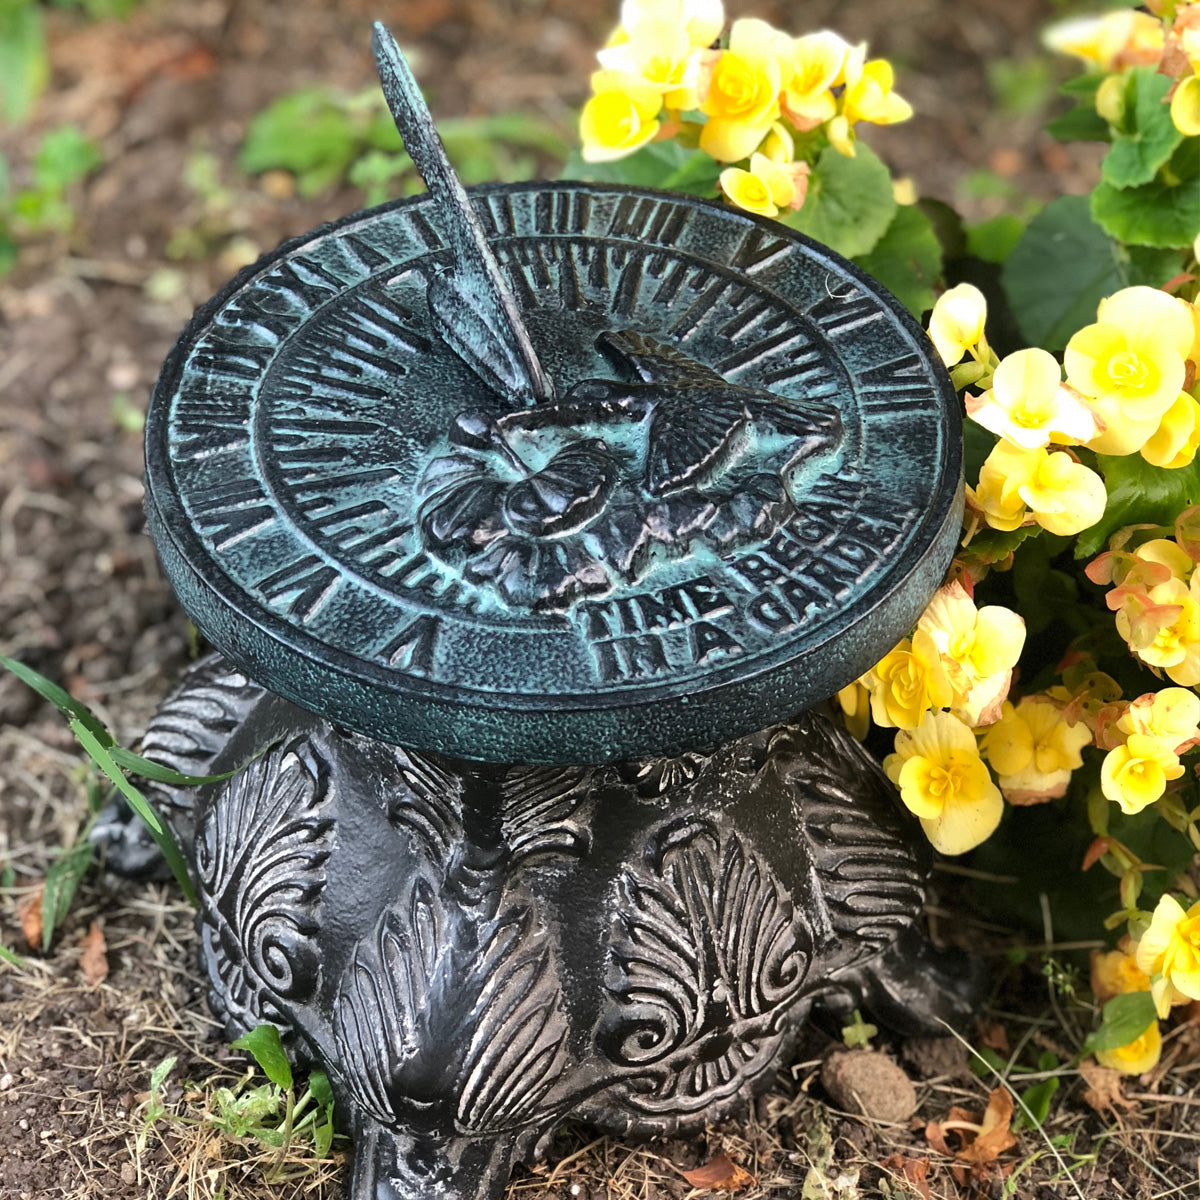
(163, 837)
(147, 768)
(63, 701)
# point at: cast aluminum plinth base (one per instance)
(476, 952)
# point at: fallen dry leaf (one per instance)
(913, 1171)
(722, 1174)
(994, 1035)
(94, 961)
(30, 914)
(1103, 1093)
(995, 1135)
(982, 1139)
(957, 1120)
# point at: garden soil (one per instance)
(84, 324)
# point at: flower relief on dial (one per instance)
(544, 506)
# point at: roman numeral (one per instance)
(901, 383)
(648, 220)
(757, 250)
(304, 586)
(562, 212)
(757, 350)
(805, 366)
(412, 649)
(228, 512)
(844, 308)
(234, 362)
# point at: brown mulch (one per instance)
(84, 324)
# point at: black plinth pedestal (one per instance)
(476, 952)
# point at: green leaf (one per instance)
(1125, 1019)
(1151, 135)
(513, 129)
(1139, 494)
(995, 545)
(1085, 85)
(1155, 214)
(306, 132)
(13, 960)
(149, 769)
(1035, 1104)
(64, 156)
(1080, 124)
(984, 1060)
(1151, 267)
(1062, 267)
(318, 1084)
(264, 1043)
(159, 1075)
(907, 259)
(24, 67)
(653, 166)
(61, 883)
(849, 204)
(994, 240)
(323, 1136)
(62, 700)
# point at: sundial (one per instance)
(526, 521)
(552, 472)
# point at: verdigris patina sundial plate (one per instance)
(736, 489)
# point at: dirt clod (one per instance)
(867, 1082)
(935, 1057)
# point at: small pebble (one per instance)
(6, 1081)
(870, 1083)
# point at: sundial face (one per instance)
(740, 495)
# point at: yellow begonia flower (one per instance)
(906, 683)
(766, 187)
(1116, 973)
(1112, 41)
(1135, 775)
(808, 99)
(1030, 405)
(1136, 1057)
(979, 648)
(1171, 715)
(869, 96)
(1110, 99)
(1169, 952)
(1175, 627)
(779, 146)
(1168, 554)
(1034, 750)
(1194, 312)
(1064, 496)
(659, 55)
(944, 782)
(701, 20)
(1130, 364)
(619, 118)
(855, 702)
(956, 323)
(742, 96)
(1185, 106)
(1175, 442)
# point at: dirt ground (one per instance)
(84, 324)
